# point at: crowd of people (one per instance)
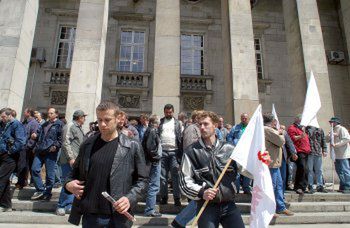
(131, 158)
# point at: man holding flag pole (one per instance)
(208, 173)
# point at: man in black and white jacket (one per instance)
(171, 141)
(202, 164)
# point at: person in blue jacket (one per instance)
(49, 142)
(233, 137)
(12, 140)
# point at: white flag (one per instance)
(312, 104)
(332, 153)
(263, 204)
(274, 113)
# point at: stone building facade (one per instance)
(221, 55)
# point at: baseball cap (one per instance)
(79, 113)
(335, 120)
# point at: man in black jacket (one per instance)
(171, 141)
(153, 151)
(109, 162)
(201, 166)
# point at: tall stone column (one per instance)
(17, 26)
(85, 85)
(345, 9)
(166, 78)
(226, 53)
(244, 76)
(306, 52)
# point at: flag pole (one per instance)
(194, 223)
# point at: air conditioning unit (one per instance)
(38, 55)
(335, 57)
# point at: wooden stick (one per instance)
(194, 223)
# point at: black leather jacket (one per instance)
(201, 167)
(128, 176)
(151, 145)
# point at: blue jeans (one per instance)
(342, 167)
(226, 214)
(153, 188)
(277, 188)
(169, 163)
(314, 163)
(115, 220)
(187, 214)
(65, 200)
(283, 170)
(49, 160)
(58, 170)
(246, 182)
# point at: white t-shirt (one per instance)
(167, 137)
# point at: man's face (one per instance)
(107, 122)
(5, 118)
(144, 121)
(37, 117)
(81, 120)
(51, 114)
(221, 123)
(168, 113)
(207, 127)
(121, 121)
(26, 114)
(244, 119)
(297, 120)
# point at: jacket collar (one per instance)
(216, 144)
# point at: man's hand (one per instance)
(122, 205)
(324, 153)
(33, 136)
(71, 162)
(294, 157)
(52, 149)
(76, 187)
(210, 193)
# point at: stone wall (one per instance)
(334, 40)
(268, 23)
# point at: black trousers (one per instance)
(301, 174)
(7, 166)
(24, 166)
(226, 214)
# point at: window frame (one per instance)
(59, 40)
(259, 52)
(119, 39)
(193, 49)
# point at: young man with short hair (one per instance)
(111, 162)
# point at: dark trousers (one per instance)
(226, 214)
(7, 166)
(105, 221)
(301, 174)
(24, 166)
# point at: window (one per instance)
(65, 47)
(259, 58)
(192, 54)
(132, 49)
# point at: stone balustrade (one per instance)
(56, 84)
(129, 82)
(195, 83)
(57, 76)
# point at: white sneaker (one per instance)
(60, 211)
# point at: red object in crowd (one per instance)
(301, 145)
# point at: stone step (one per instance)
(290, 196)
(298, 207)
(29, 217)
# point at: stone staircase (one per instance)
(319, 208)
